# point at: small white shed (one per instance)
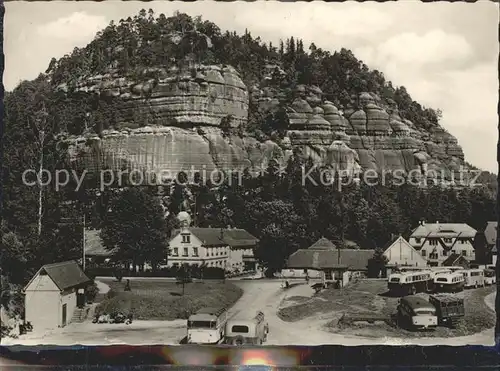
(53, 294)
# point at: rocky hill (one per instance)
(171, 94)
(187, 130)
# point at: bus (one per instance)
(247, 331)
(416, 312)
(207, 326)
(473, 278)
(449, 282)
(435, 272)
(490, 277)
(410, 283)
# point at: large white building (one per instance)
(437, 241)
(231, 249)
(53, 294)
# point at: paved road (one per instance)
(265, 295)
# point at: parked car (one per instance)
(414, 312)
(245, 331)
(490, 277)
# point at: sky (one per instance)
(445, 54)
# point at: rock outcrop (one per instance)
(194, 117)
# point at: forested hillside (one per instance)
(276, 208)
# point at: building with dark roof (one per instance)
(334, 264)
(456, 260)
(54, 293)
(231, 249)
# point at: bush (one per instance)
(91, 292)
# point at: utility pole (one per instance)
(84, 240)
(41, 138)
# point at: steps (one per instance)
(80, 315)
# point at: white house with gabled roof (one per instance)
(437, 241)
(54, 293)
(399, 252)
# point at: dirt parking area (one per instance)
(370, 296)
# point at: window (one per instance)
(201, 324)
(186, 238)
(417, 240)
(328, 275)
(175, 251)
(445, 252)
(185, 252)
(433, 242)
(447, 240)
(195, 251)
(305, 271)
(433, 255)
(464, 252)
(240, 329)
(424, 253)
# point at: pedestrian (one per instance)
(127, 286)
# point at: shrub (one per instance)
(91, 292)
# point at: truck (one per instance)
(450, 309)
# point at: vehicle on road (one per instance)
(207, 326)
(473, 278)
(241, 330)
(490, 277)
(414, 312)
(449, 308)
(410, 283)
(449, 282)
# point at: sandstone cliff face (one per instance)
(187, 111)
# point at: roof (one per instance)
(446, 298)
(239, 237)
(417, 302)
(94, 245)
(322, 244)
(443, 230)
(353, 259)
(453, 259)
(490, 233)
(233, 237)
(65, 275)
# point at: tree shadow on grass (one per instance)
(390, 294)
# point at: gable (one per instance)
(403, 244)
(176, 241)
(42, 282)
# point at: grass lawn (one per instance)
(365, 297)
(163, 300)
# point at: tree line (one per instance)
(38, 227)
